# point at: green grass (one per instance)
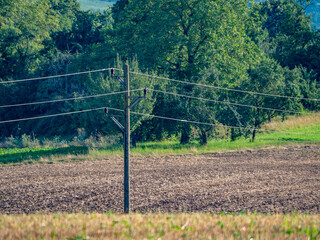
(293, 131)
(262, 140)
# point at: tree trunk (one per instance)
(185, 135)
(254, 134)
(256, 124)
(204, 139)
(233, 136)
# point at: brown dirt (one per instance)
(266, 181)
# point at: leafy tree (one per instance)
(183, 38)
(117, 8)
(270, 78)
(289, 29)
(25, 25)
(36, 40)
(88, 28)
(66, 11)
(203, 111)
(292, 80)
(94, 123)
(293, 42)
(309, 87)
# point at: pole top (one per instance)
(126, 67)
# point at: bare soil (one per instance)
(265, 181)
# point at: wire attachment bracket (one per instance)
(120, 78)
(106, 111)
(138, 99)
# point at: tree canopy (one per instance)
(268, 47)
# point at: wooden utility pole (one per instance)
(126, 140)
(126, 130)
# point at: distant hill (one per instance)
(314, 10)
(96, 5)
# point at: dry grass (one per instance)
(293, 122)
(159, 226)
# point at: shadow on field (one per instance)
(38, 153)
(287, 139)
(174, 146)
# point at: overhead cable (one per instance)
(57, 76)
(52, 115)
(230, 103)
(69, 99)
(226, 89)
(153, 116)
(212, 124)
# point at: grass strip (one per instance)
(160, 226)
(304, 130)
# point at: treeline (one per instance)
(268, 47)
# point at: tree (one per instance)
(94, 123)
(25, 25)
(269, 77)
(88, 28)
(309, 87)
(183, 38)
(293, 42)
(290, 31)
(41, 38)
(203, 111)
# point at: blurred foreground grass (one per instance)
(160, 226)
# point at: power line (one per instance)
(68, 99)
(212, 124)
(231, 103)
(226, 89)
(153, 116)
(53, 115)
(57, 76)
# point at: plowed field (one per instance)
(266, 181)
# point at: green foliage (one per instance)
(312, 10)
(295, 44)
(87, 28)
(94, 123)
(184, 39)
(270, 78)
(292, 40)
(25, 25)
(265, 47)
